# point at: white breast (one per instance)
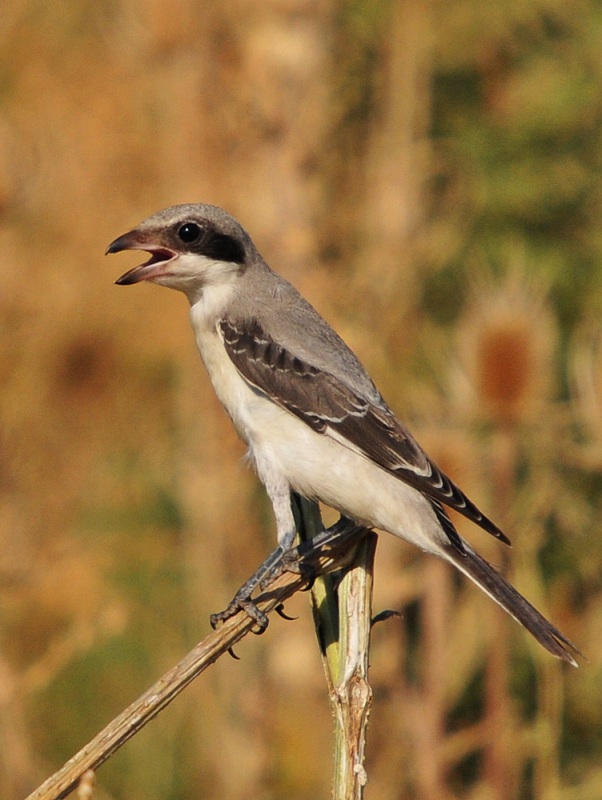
(252, 414)
(314, 464)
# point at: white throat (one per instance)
(207, 283)
(208, 302)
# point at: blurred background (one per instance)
(429, 175)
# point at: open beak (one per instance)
(156, 265)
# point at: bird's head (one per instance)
(190, 246)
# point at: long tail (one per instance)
(490, 581)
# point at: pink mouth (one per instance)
(160, 257)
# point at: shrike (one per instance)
(312, 418)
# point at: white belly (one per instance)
(314, 464)
(318, 466)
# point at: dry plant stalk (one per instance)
(351, 694)
(342, 612)
(218, 642)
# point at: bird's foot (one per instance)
(240, 603)
(302, 560)
(272, 567)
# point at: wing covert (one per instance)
(331, 407)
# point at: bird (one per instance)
(311, 416)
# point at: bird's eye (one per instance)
(189, 232)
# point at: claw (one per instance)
(222, 616)
(280, 611)
(311, 579)
(308, 572)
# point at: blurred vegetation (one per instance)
(429, 174)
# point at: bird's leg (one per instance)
(279, 493)
(304, 559)
(270, 569)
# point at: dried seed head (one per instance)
(506, 343)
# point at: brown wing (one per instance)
(331, 407)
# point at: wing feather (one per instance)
(332, 408)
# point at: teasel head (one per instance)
(506, 343)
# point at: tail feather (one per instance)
(490, 581)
